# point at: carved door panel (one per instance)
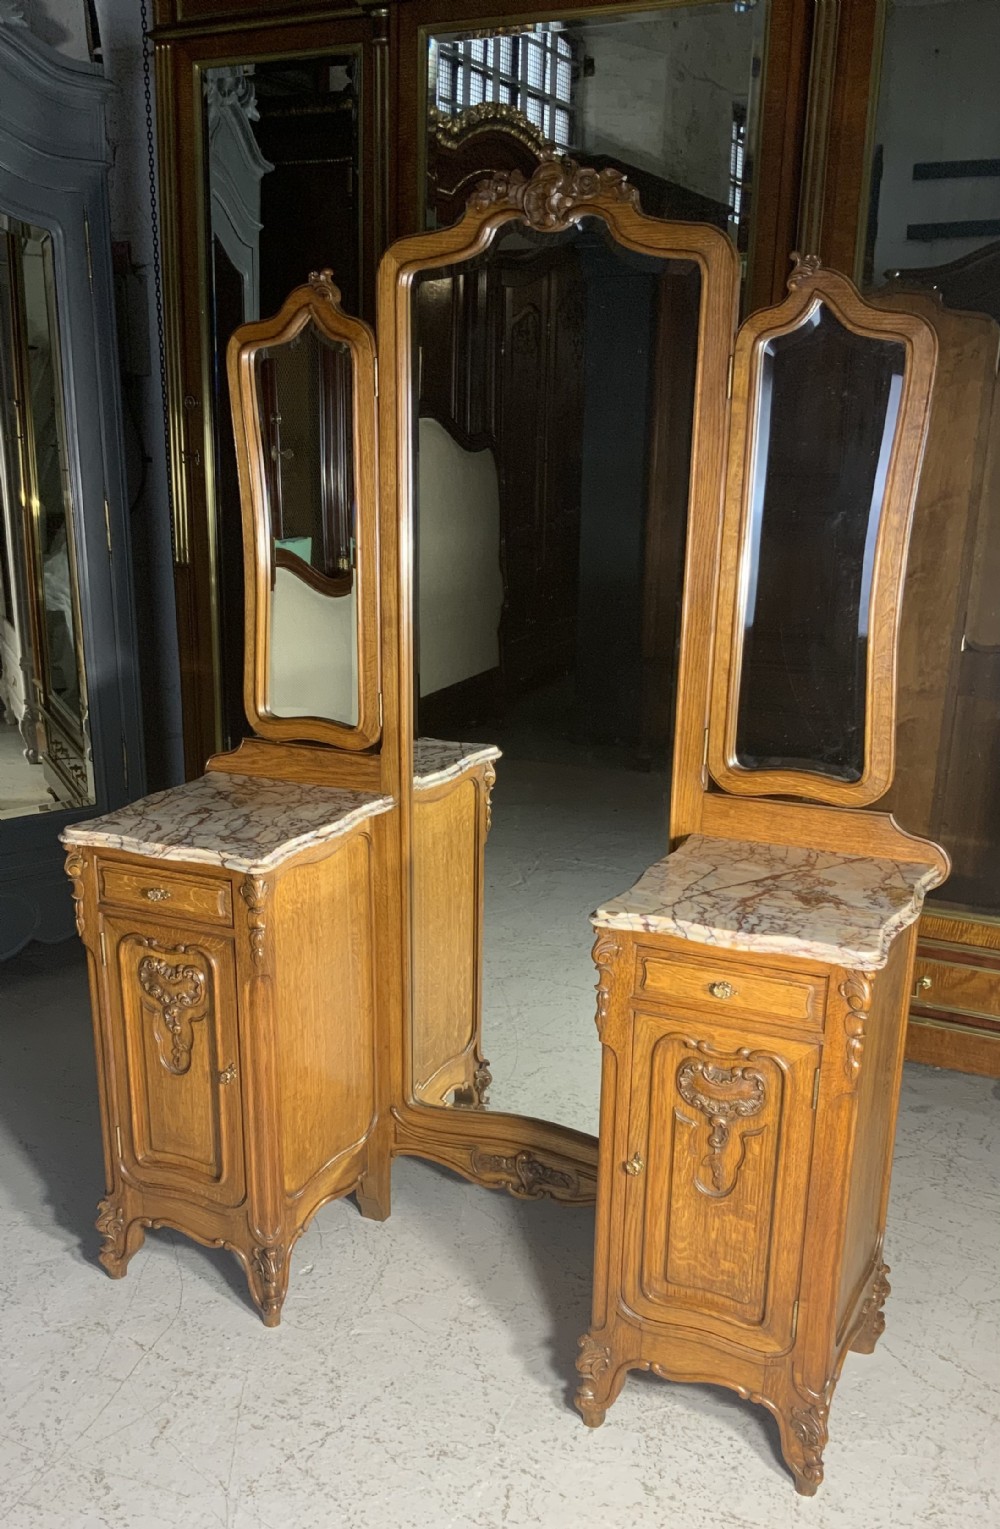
(541, 420)
(172, 999)
(722, 1122)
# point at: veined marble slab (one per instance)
(242, 822)
(777, 899)
(435, 760)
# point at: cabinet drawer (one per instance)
(722, 989)
(199, 897)
(952, 987)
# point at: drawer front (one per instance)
(205, 898)
(955, 986)
(725, 990)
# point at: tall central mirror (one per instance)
(553, 353)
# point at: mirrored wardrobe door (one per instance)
(278, 141)
(700, 104)
(549, 423)
(70, 707)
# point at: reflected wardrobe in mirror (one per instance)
(282, 148)
(546, 351)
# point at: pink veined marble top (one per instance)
(778, 899)
(242, 822)
(435, 761)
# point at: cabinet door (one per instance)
(722, 1121)
(172, 1003)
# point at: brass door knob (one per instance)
(156, 894)
(722, 989)
(228, 1074)
(923, 983)
(635, 1165)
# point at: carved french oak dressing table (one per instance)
(754, 985)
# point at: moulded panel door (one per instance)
(172, 995)
(723, 1124)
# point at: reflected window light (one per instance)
(532, 69)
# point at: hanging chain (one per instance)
(154, 222)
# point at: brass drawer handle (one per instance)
(228, 1074)
(634, 1166)
(923, 983)
(722, 990)
(156, 894)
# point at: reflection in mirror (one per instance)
(551, 452)
(668, 95)
(826, 412)
(281, 140)
(305, 406)
(44, 737)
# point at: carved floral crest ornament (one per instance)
(556, 192)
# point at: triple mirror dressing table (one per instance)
(301, 962)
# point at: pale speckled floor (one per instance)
(420, 1377)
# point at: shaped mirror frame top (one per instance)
(302, 386)
(830, 403)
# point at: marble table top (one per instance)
(241, 822)
(777, 899)
(435, 761)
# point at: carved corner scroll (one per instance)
(324, 286)
(607, 949)
(178, 991)
(804, 268)
(74, 870)
(254, 892)
(559, 189)
(723, 1095)
(489, 781)
(524, 1175)
(856, 991)
(111, 1225)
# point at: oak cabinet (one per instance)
(234, 1002)
(744, 1178)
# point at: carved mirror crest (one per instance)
(829, 407)
(555, 421)
(303, 391)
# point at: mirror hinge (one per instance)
(107, 527)
(380, 711)
(815, 1099)
(104, 950)
(729, 377)
(795, 1319)
(118, 1140)
(704, 758)
(90, 258)
(125, 763)
(376, 376)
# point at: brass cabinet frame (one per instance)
(317, 303)
(809, 288)
(527, 1156)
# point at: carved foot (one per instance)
(268, 1280)
(872, 1316)
(119, 1241)
(601, 1383)
(373, 1194)
(804, 1434)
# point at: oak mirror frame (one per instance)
(340, 405)
(888, 465)
(529, 1156)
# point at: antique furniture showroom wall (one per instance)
(69, 705)
(299, 964)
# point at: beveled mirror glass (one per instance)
(548, 422)
(303, 395)
(45, 750)
(829, 396)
